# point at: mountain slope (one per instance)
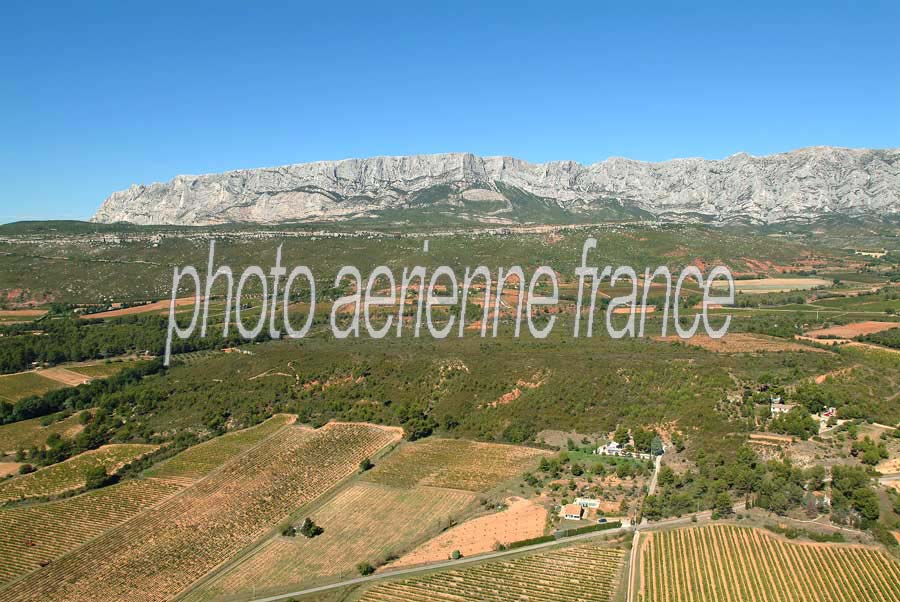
(799, 185)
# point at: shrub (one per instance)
(364, 568)
(310, 529)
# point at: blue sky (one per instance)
(95, 96)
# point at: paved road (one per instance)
(440, 565)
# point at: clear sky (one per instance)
(95, 96)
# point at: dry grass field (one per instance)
(23, 314)
(102, 369)
(64, 376)
(162, 551)
(587, 573)
(41, 533)
(740, 342)
(737, 564)
(156, 306)
(778, 285)
(849, 331)
(14, 387)
(363, 523)
(454, 464)
(28, 433)
(69, 475)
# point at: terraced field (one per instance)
(70, 474)
(737, 564)
(14, 387)
(363, 523)
(38, 534)
(586, 573)
(198, 461)
(454, 464)
(162, 551)
(28, 433)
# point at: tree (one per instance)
(364, 568)
(723, 504)
(365, 465)
(678, 441)
(456, 555)
(865, 501)
(310, 529)
(666, 476)
(656, 446)
(96, 477)
(797, 422)
(652, 509)
(643, 440)
(621, 436)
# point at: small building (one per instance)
(572, 512)
(829, 412)
(781, 408)
(587, 503)
(610, 449)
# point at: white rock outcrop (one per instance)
(802, 184)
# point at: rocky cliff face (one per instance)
(799, 185)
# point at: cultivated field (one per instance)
(14, 387)
(28, 433)
(199, 460)
(363, 523)
(157, 306)
(162, 551)
(68, 475)
(64, 376)
(849, 331)
(740, 342)
(738, 564)
(778, 285)
(102, 369)
(25, 314)
(523, 519)
(41, 533)
(578, 574)
(454, 464)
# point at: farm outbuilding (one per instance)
(572, 512)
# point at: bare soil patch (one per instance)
(140, 309)
(66, 377)
(9, 468)
(778, 285)
(823, 377)
(522, 519)
(768, 437)
(638, 310)
(740, 342)
(849, 331)
(536, 381)
(889, 466)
